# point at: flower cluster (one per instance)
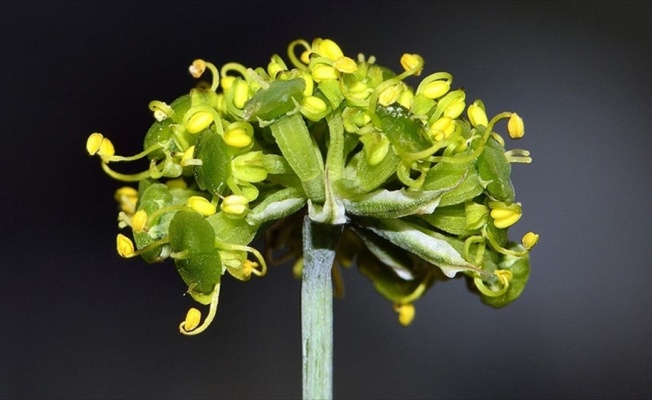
(419, 182)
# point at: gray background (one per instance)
(78, 321)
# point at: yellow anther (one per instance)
(313, 107)
(505, 216)
(477, 115)
(515, 126)
(360, 90)
(389, 95)
(305, 56)
(406, 98)
(346, 65)
(188, 158)
(455, 109)
(274, 68)
(504, 276)
(106, 150)
(324, 71)
(240, 93)
(442, 129)
(127, 192)
(199, 121)
(405, 313)
(202, 205)
(411, 61)
(235, 205)
(227, 82)
(436, 89)
(125, 246)
(197, 68)
(310, 84)
(329, 49)
(237, 137)
(529, 240)
(250, 267)
(93, 143)
(139, 220)
(178, 183)
(193, 317)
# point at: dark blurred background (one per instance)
(79, 322)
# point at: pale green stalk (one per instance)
(317, 309)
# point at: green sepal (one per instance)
(152, 198)
(280, 98)
(451, 219)
(394, 204)
(405, 133)
(162, 132)
(198, 262)
(330, 88)
(231, 230)
(493, 166)
(216, 162)
(446, 174)
(423, 243)
(295, 142)
(277, 205)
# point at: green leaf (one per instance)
(493, 166)
(216, 162)
(394, 204)
(422, 244)
(280, 98)
(154, 197)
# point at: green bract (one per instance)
(421, 188)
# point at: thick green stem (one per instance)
(317, 308)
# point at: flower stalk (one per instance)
(317, 308)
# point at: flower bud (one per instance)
(314, 108)
(515, 126)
